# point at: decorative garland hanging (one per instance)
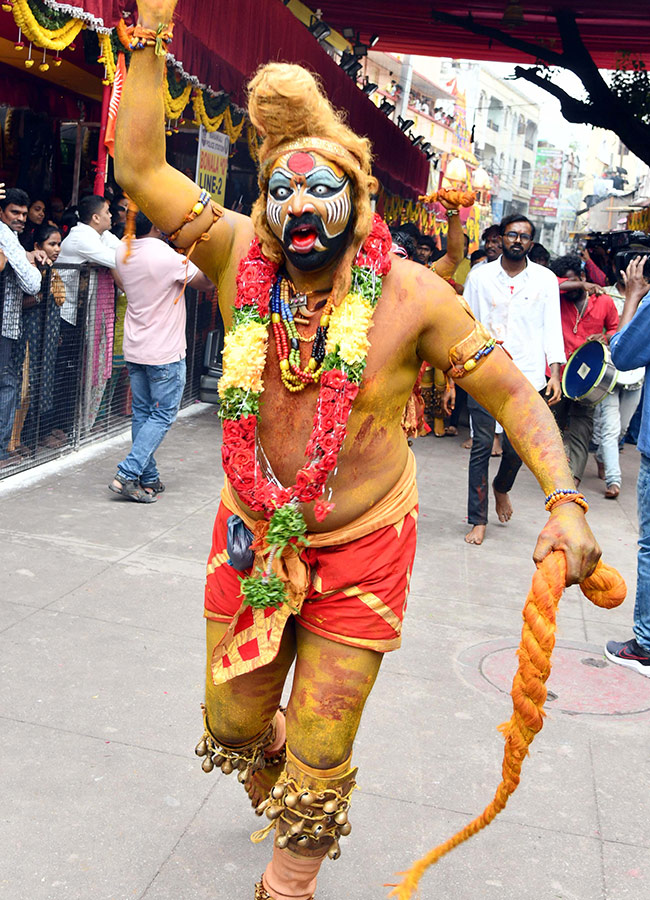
(43, 26)
(176, 95)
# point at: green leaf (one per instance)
(261, 593)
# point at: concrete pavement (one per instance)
(102, 655)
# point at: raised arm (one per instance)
(164, 194)
(498, 385)
(447, 264)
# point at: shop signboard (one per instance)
(212, 163)
(546, 182)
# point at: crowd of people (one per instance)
(544, 310)
(64, 316)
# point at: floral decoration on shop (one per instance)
(47, 25)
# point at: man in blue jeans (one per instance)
(518, 301)
(630, 348)
(154, 278)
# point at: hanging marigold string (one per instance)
(176, 95)
(106, 57)
(605, 588)
(59, 32)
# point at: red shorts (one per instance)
(358, 590)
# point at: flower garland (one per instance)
(58, 34)
(240, 388)
(216, 112)
(176, 95)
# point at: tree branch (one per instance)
(573, 110)
(537, 51)
(578, 58)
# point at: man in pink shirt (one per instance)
(154, 278)
(587, 314)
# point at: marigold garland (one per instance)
(212, 117)
(56, 38)
(244, 358)
(176, 96)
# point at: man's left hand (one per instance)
(553, 390)
(567, 530)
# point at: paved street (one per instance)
(102, 655)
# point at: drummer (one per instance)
(588, 314)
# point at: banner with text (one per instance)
(546, 182)
(212, 163)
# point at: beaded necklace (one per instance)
(287, 340)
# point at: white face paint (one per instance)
(309, 207)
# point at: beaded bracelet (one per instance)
(473, 361)
(196, 210)
(159, 38)
(567, 495)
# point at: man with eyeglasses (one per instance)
(519, 302)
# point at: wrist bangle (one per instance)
(159, 37)
(556, 498)
(451, 212)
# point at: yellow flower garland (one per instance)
(348, 329)
(106, 56)
(175, 106)
(57, 39)
(244, 357)
(215, 123)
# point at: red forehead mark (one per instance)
(300, 163)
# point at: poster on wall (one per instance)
(546, 182)
(212, 163)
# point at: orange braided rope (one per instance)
(605, 588)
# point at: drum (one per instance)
(589, 374)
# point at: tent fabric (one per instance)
(407, 26)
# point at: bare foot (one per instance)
(467, 445)
(503, 505)
(476, 535)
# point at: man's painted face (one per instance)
(309, 208)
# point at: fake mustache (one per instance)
(306, 220)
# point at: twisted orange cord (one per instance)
(605, 588)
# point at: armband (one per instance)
(467, 354)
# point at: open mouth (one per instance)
(303, 238)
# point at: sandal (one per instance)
(131, 490)
(155, 487)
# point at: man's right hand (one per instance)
(636, 284)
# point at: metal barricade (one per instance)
(70, 379)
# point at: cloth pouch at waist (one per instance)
(262, 628)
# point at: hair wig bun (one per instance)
(286, 102)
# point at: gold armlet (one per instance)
(468, 353)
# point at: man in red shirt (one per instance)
(588, 314)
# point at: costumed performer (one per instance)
(327, 334)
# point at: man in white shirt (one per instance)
(519, 303)
(20, 277)
(154, 277)
(90, 241)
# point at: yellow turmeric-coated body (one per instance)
(417, 319)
